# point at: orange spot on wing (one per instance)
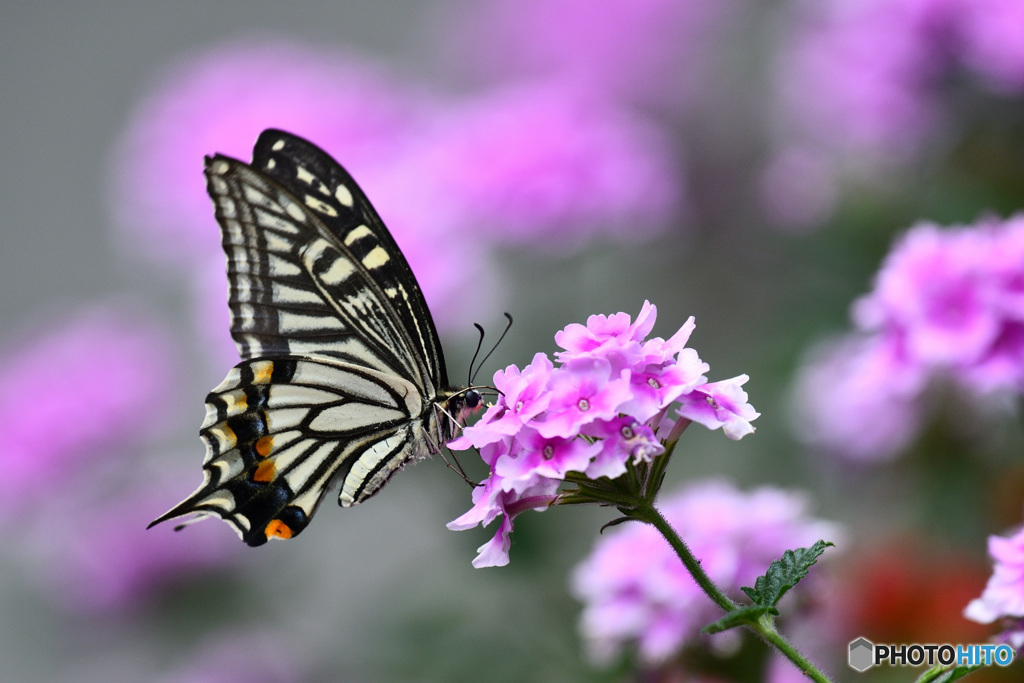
(265, 471)
(264, 445)
(278, 528)
(261, 372)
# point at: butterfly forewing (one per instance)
(293, 287)
(342, 378)
(330, 193)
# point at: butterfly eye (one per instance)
(473, 399)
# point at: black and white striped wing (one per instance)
(311, 267)
(342, 367)
(279, 431)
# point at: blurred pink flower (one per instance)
(951, 299)
(858, 398)
(864, 84)
(856, 77)
(934, 293)
(635, 589)
(542, 159)
(1003, 598)
(451, 177)
(646, 51)
(101, 558)
(947, 303)
(77, 393)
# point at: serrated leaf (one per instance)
(742, 616)
(783, 574)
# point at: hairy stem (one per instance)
(764, 627)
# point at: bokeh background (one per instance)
(749, 164)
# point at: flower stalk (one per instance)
(764, 626)
(633, 494)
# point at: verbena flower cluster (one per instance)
(947, 303)
(1003, 597)
(635, 589)
(610, 397)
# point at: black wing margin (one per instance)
(279, 431)
(327, 189)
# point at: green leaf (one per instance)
(615, 522)
(748, 614)
(941, 674)
(784, 574)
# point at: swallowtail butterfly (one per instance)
(342, 375)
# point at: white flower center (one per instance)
(583, 405)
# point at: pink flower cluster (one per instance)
(1003, 598)
(604, 404)
(946, 303)
(635, 589)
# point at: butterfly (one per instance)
(342, 375)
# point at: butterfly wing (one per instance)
(279, 431)
(311, 267)
(342, 366)
(327, 190)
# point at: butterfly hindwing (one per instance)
(342, 377)
(279, 431)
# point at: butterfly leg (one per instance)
(435, 448)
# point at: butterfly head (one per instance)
(464, 403)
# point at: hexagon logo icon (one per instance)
(862, 654)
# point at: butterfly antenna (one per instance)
(479, 343)
(508, 327)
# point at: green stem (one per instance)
(764, 627)
(648, 513)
